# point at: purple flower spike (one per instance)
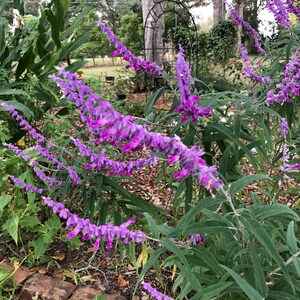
(197, 239)
(23, 123)
(138, 64)
(106, 232)
(188, 101)
(280, 12)
(130, 136)
(238, 21)
(154, 292)
(290, 84)
(286, 167)
(248, 71)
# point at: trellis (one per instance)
(179, 10)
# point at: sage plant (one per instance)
(188, 102)
(120, 131)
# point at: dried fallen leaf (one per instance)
(58, 257)
(121, 281)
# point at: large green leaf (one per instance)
(72, 46)
(150, 262)
(292, 241)
(260, 280)
(2, 6)
(19, 106)
(4, 200)
(11, 92)
(211, 291)
(245, 180)
(262, 236)
(185, 267)
(248, 289)
(227, 133)
(12, 226)
(152, 100)
(24, 62)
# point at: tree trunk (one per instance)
(219, 11)
(239, 7)
(154, 23)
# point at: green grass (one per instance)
(101, 67)
(100, 71)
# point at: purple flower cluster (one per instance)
(187, 100)
(248, 71)
(197, 239)
(138, 64)
(16, 150)
(26, 187)
(74, 176)
(41, 175)
(117, 168)
(23, 123)
(290, 84)
(154, 292)
(109, 125)
(286, 167)
(47, 179)
(107, 232)
(45, 153)
(238, 21)
(280, 12)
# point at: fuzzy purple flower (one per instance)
(107, 232)
(290, 84)
(286, 167)
(248, 71)
(154, 292)
(280, 12)
(17, 151)
(74, 176)
(197, 239)
(27, 187)
(138, 64)
(188, 101)
(238, 21)
(24, 124)
(101, 118)
(97, 161)
(45, 153)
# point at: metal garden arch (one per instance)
(161, 8)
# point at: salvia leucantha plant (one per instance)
(225, 246)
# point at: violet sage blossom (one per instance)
(290, 84)
(197, 239)
(120, 131)
(27, 187)
(238, 21)
(188, 101)
(248, 71)
(154, 292)
(97, 161)
(137, 63)
(286, 167)
(24, 124)
(106, 232)
(280, 12)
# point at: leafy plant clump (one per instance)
(230, 159)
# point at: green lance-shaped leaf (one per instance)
(248, 289)
(245, 180)
(12, 226)
(152, 100)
